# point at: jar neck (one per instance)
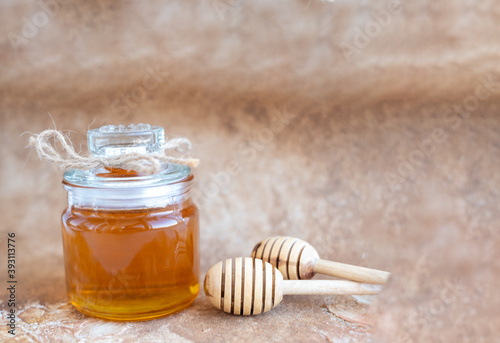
(157, 196)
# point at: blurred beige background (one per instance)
(388, 158)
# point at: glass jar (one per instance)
(130, 240)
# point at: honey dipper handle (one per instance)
(350, 272)
(329, 287)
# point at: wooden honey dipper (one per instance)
(249, 286)
(298, 260)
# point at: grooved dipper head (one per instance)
(244, 286)
(293, 257)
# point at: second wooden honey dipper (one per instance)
(249, 286)
(298, 260)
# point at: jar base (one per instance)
(136, 317)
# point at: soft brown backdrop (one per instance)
(375, 168)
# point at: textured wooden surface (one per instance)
(373, 159)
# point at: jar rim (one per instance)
(171, 173)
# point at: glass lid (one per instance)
(113, 140)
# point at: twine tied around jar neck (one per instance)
(67, 158)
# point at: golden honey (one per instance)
(132, 264)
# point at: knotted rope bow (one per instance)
(68, 158)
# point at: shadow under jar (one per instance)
(130, 240)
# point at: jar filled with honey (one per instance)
(130, 240)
